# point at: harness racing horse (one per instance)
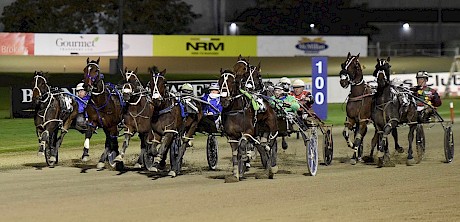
(242, 126)
(252, 82)
(383, 65)
(137, 115)
(168, 123)
(388, 112)
(54, 110)
(359, 104)
(105, 110)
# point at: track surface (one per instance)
(78, 192)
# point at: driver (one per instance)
(427, 94)
(82, 100)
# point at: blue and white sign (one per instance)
(319, 86)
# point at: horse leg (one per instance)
(346, 133)
(65, 129)
(53, 148)
(374, 141)
(360, 132)
(235, 177)
(144, 144)
(88, 135)
(284, 144)
(125, 145)
(398, 148)
(410, 158)
(161, 153)
(101, 163)
(383, 147)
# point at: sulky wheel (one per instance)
(312, 152)
(420, 142)
(212, 152)
(449, 144)
(328, 148)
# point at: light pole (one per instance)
(120, 35)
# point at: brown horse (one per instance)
(137, 115)
(388, 112)
(54, 110)
(359, 104)
(168, 124)
(239, 122)
(105, 110)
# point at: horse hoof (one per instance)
(137, 166)
(353, 161)
(410, 162)
(231, 179)
(380, 162)
(40, 153)
(263, 175)
(85, 158)
(172, 174)
(100, 165)
(52, 159)
(152, 169)
(274, 169)
(119, 158)
(400, 149)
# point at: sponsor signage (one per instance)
(76, 44)
(204, 46)
(289, 46)
(16, 44)
(319, 84)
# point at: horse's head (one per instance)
(131, 76)
(253, 79)
(41, 90)
(158, 86)
(241, 68)
(351, 72)
(228, 87)
(382, 71)
(92, 74)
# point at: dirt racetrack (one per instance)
(429, 191)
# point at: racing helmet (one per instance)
(285, 80)
(298, 83)
(422, 74)
(79, 87)
(214, 86)
(186, 88)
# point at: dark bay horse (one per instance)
(383, 65)
(359, 104)
(388, 112)
(54, 110)
(240, 122)
(168, 123)
(105, 110)
(137, 115)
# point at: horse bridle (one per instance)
(40, 94)
(224, 89)
(382, 69)
(250, 83)
(345, 74)
(129, 74)
(156, 95)
(95, 78)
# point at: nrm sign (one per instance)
(206, 46)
